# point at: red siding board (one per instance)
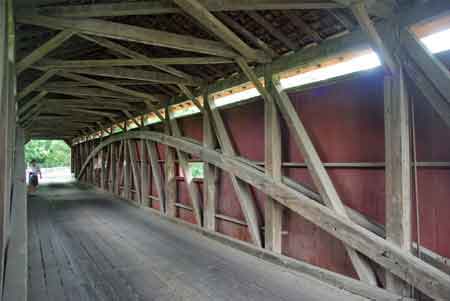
(245, 125)
(233, 230)
(192, 127)
(434, 191)
(186, 215)
(344, 127)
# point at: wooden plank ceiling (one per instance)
(84, 62)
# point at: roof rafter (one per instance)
(166, 7)
(115, 47)
(43, 50)
(131, 33)
(196, 10)
(52, 63)
(137, 74)
(146, 98)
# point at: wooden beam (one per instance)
(75, 84)
(126, 170)
(146, 98)
(360, 12)
(63, 64)
(138, 56)
(93, 112)
(83, 91)
(196, 10)
(118, 168)
(166, 7)
(136, 74)
(190, 96)
(210, 172)
(15, 283)
(32, 102)
(170, 172)
(434, 70)
(143, 175)
(102, 167)
(183, 160)
(378, 8)
(345, 20)
(134, 169)
(108, 165)
(257, 42)
(397, 172)
(156, 172)
(241, 189)
(131, 33)
(35, 84)
(273, 211)
(43, 50)
(300, 24)
(272, 30)
(32, 113)
(87, 105)
(102, 128)
(112, 168)
(423, 276)
(115, 122)
(437, 101)
(129, 116)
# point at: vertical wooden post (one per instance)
(88, 169)
(118, 167)
(16, 266)
(112, 168)
(156, 171)
(170, 172)
(102, 158)
(210, 172)
(398, 171)
(144, 172)
(133, 169)
(273, 210)
(76, 154)
(91, 148)
(126, 171)
(81, 160)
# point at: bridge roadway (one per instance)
(85, 246)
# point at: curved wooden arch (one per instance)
(416, 272)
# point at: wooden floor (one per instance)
(85, 246)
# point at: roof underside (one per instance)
(273, 33)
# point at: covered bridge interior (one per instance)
(332, 177)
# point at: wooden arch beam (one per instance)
(421, 275)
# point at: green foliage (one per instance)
(197, 169)
(48, 153)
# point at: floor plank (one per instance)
(85, 246)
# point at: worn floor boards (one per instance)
(84, 246)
